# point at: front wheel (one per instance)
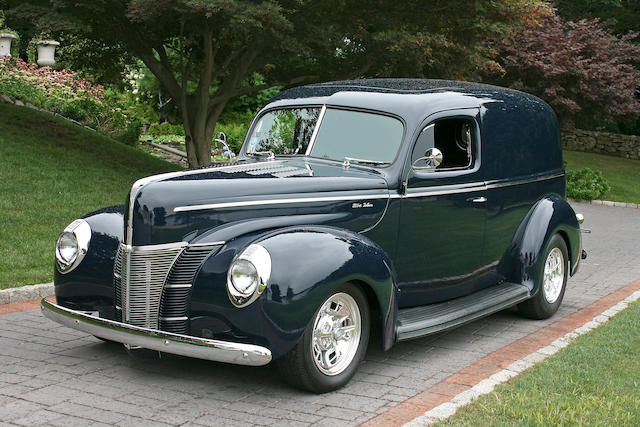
(551, 281)
(333, 344)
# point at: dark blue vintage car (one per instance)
(399, 208)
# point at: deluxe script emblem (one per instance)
(362, 205)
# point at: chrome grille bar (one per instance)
(144, 270)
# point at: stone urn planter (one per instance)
(5, 44)
(47, 52)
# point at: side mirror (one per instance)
(222, 137)
(432, 159)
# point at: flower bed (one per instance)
(68, 94)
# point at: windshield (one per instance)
(284, 131)
(358, 136)
(342, 134)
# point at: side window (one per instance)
(454, 137)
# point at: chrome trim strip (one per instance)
(434, 191)
(447, 190)
(314, 135)
(184, 345)
(279, 202)
(173, 319)
(500, 183)
(160, 247)
(182, 286)
(197, 245)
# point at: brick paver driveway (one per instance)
(53, 375)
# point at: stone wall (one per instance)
(614, 144)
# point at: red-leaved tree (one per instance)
(580, 68)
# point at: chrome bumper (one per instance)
(184, 345)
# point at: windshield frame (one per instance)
(324, 107)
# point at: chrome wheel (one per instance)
(336, 334)
(553, 275)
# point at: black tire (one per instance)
(106, 340)
(298, 366)
(539, 307)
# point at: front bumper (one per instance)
(184, 345)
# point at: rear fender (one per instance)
(523, 261)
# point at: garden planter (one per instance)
(5, 44)
(47, 52)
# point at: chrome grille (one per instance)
(144, 270)
(175, 296)
(117, 284)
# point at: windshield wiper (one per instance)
(269, 154)
(348, 160)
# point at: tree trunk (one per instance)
(198, 141)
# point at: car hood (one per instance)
(207, 203)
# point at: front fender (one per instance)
(550, 215)
(89, 287)
(308, 263)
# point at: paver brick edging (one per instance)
(481, 376)
(25, 293)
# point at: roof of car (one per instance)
(399, 86)
(411, 99)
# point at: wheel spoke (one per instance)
(553, 276)
(336, 334)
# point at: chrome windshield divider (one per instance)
(314, 135)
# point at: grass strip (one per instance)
(593, 381)
(622, 174)
(51, 173)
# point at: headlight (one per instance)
(72, 245)
(248, 275)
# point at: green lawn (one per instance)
(51, 173)
(594, 381)
(623, 175)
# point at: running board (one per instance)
(417, 322)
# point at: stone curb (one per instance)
(446, 397)
(26, 293)
(486, 386)
(4, 99)
(609, 203)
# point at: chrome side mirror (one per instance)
(222, 138)
(432, 159)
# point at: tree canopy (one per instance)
(584, 71)
(626, 13)
(204, 51)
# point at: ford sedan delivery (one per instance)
(399, 208)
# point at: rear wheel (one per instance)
(551, 282)
(333, 344)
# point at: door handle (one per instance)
(477, 199)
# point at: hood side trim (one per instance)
(279, 202)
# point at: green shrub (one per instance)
(586, 184)
(166, 128)
(131, 133)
